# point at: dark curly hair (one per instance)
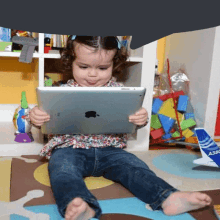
(98, 42)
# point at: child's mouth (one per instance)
(91, 82)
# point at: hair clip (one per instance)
(119, 45)
(73, 37)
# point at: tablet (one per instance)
(89, 110)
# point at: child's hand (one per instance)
(140, 117)
(38, 117)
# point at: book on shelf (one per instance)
(5, 34)
(54, 52)
(56, 40)
(59, 41)
(5, 39)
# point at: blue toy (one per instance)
(156, 105)
(182, 103)
(167, 123)
(209, 149)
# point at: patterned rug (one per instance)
(26, 194)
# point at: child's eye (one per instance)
(83, 67)
(103, 68)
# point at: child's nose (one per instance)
(93, 72)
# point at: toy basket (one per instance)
(170, 122)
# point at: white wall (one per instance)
(198, 53)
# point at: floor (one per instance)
(25, 191)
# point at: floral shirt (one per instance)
(84, 141)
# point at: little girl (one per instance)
(95, 62)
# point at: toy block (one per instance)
(167, 96)
(157, 103)
(182, 103)
(155, 122)
(168, 110)
(187, 133)
(183, 139)
(167, 136)
(192, 140)
(176, 134)
(187, 123)
(167, 123)
(189, 115)
(157, 133)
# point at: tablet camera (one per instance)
(91, 114)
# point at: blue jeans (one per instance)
(68, 166)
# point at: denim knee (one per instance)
(67, 182)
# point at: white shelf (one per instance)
(141, 74)
(136, 59)
(15, 54)
(53, 56)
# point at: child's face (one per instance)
(92, 68)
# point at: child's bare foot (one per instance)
(181, 202)
(78, 209)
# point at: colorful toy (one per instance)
(209, 149)
(172, 117)
(187, 133)
(167, 137)
(155, 122)
(157, 133)
(166, 122)
(156, 105)
(168, 109)
(182, 103)
(28, 48)
(47, 81)
(192, 140)
(22, 125)
(187, 123)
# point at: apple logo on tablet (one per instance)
(91, 114)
